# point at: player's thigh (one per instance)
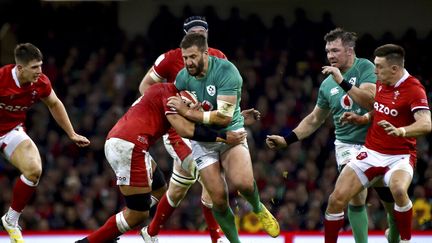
(347, 185)
(26, 157)
(214, 182)
(237, 165)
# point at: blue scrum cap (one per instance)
(194, 21)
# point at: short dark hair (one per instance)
(194, 39)
(394, 54)
(27, 52)
(347, 38)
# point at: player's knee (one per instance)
(138, 202)
(33, 171)
(244, 185)
(336, 201)
(219, 198)
(177, 193)
(220, 203)
(359, 199)
(398, 191)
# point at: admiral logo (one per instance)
(385, 110)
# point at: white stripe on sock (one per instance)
(403, 208)
(121, 222)
(334, 216)
(28, 182)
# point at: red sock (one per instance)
(403, 223)
(212, 225)
(331, 230)
(107, 232)
(22, 194)
(163, 212)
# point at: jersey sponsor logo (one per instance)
(206, 105)
(211, 90)
(385, 109)
(346, 102)
(353, 80)
(334, 91)
(121, 178)
(12, 108)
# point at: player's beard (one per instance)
(196, 70)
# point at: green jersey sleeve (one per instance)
(230, 81)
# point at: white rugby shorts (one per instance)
(371, 165)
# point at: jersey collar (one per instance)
(15, 77)
(404, 77)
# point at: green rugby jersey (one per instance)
(332, 97)
(222, 78)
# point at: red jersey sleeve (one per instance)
(46, 87)
(418, 99)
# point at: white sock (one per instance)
(12, 217)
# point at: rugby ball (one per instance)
(188, 97)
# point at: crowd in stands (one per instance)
(96, 68)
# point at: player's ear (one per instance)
(19, 67)
(351, 50)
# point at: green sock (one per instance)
(393, 236)
(357, 216)
(253, 198)
(227, 223)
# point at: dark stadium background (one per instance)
(96, 53)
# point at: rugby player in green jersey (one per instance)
(350, 86)
(217, 84)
